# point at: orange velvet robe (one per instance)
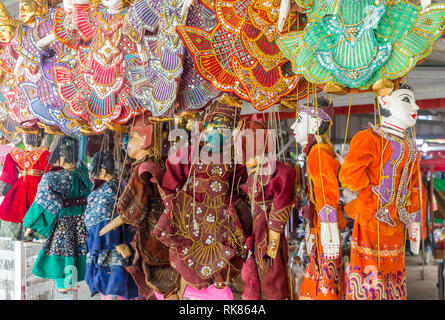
(380, 234)
(323, 277)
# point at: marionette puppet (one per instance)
(108, 255)
(322, 279)
(58, 213)
(140, 205)
(97, 88)
(361, 45)
(200, 225)
(239, 54)
(380, 173)
(151, 24)
(21, 174)
(270, 186)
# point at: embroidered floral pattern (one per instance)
(100, 203)
(52, 189)
(108, 258)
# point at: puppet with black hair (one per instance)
(20, 177)
(322, 279)
(381, 171)
(109, 254)
(58, 213)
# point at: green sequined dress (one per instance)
(355, 43)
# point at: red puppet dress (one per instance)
(22, 171)
(322, 279)
(210, 249)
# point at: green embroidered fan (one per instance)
(356, 43)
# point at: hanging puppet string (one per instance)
(419, 177)
(230, 202)
(347, 124)
(120, 178)
(380, 181)
(317, 240)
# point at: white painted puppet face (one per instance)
(302, 127)
(402, 105)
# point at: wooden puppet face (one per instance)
(135, 144)
(402, 106)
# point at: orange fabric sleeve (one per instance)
(324, 178)
(354, 171)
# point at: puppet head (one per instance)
(252, 139)
(33, 140)
(399, 109)
(140, 137)
(31, 9)
(66, 152)
(102, 166)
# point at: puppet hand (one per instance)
(273, 243)
(425, 3)
(124, 250)
(349, 195)
(186, 4)
(46, 40)
(27, 232)
(330, 240)
(284, 11)
(414, 234)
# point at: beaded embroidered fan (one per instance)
(156, 82)
(355, 43)
(96, 89)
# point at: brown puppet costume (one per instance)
(141, 206)
(201, 226)
(270, 186)
(322, 279)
